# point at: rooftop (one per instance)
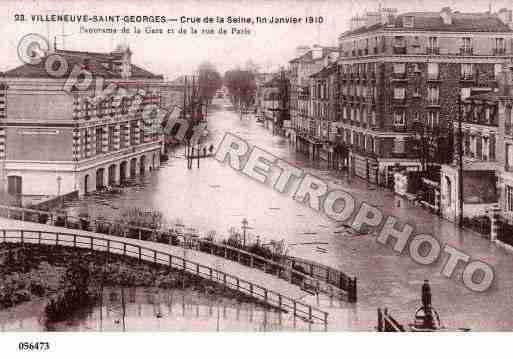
(433, 21)
(99, 64)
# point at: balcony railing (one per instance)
(468, 77)
(499, 51)
(399, 49)
(398, 75)
(433, 77)
(433, 50)
(398, 101)
(466, 51)
(433, 102)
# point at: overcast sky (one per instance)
(172, 55)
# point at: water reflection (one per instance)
(152, 309)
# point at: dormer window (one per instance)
(408, 21)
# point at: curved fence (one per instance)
(284, 303)
(311, 276)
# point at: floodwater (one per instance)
(216, 197)
(153, 309)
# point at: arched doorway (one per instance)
(122, 172)
(142, 165)
(86, 184)
(99, 178)
(133, 167)
(112, 175)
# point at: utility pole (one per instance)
(460, 160)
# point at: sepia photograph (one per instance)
(232, 166)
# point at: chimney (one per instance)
(316, 52)
(446, 15)
(388, 14)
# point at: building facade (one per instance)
(479, 135)
(55, 140)
(402, 77)
(303, 130)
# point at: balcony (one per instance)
(398, 101)
(433, 51)
(433, 102)
(499, 52)
(466, 51)
(399, 76)
(399, 49)
(468, 77)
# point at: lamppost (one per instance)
(245, 227)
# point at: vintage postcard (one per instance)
(255, 166)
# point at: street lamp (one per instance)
(245, 227)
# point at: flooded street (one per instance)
(215, 197)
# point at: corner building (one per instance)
(55, 142)
(402, 77)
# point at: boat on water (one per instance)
(426, 318)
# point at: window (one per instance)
(432, 70)
(110, 138)
(399, 68)
(416, 117)
(466, 71)
(399, 145)
(433, 95)
(416, 92)
(399, 41)
(432, 120)
(449, 191)
(508, 119)
(408, 21)
(87, 141)
(433, 42)
(509, 198)
(99, 141)
(133, 126)
(465, 93)
(466, 43)
(497, 69)
(399, 118)
(399, 93)
(500, 46)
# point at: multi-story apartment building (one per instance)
(478, 133)
(325, 92)
(273, 103)
(505, 147)
(303, 124)
(54, 140)
(403, 75)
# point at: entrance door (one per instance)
(99, 179)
